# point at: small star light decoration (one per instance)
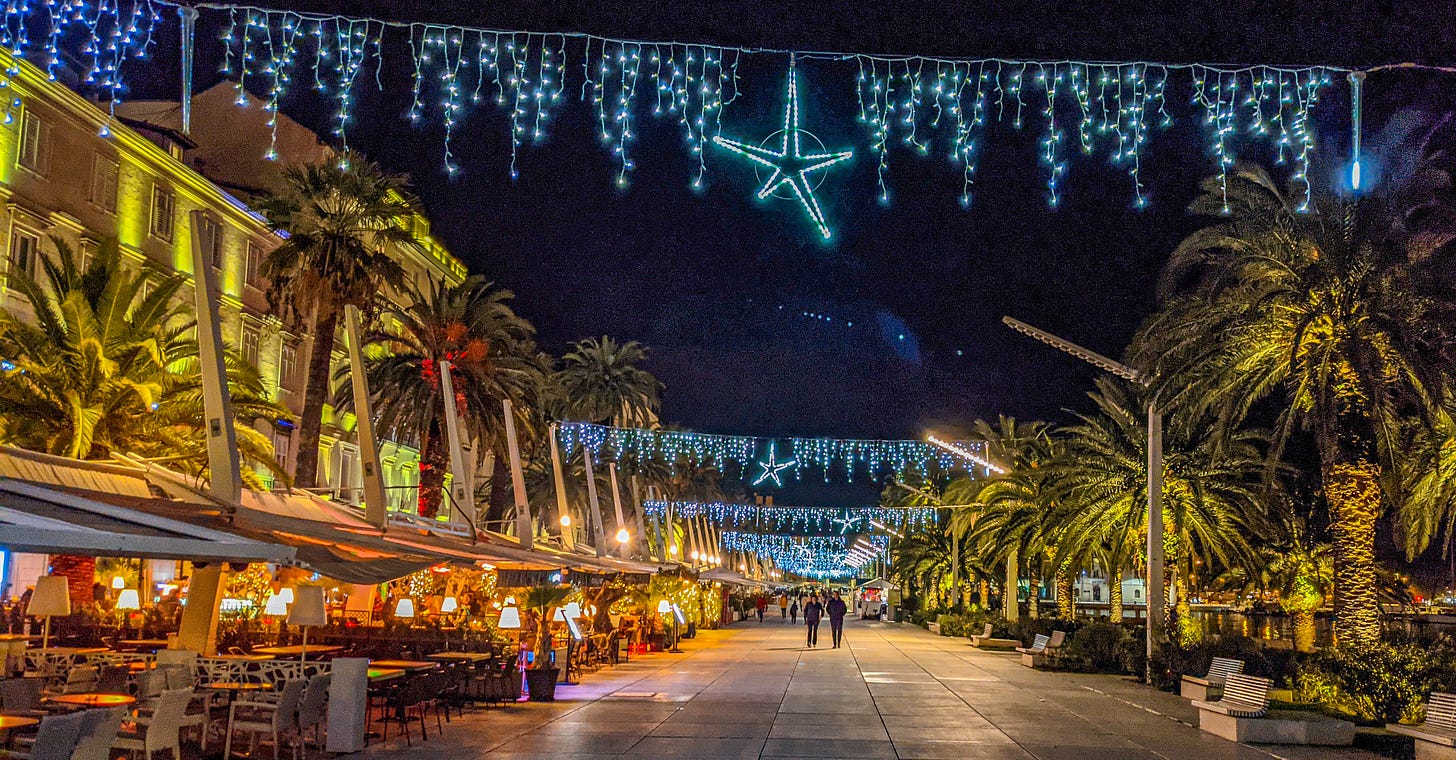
(772, 467)
(792, 167)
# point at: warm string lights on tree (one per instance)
(809, 556)
(840, 520)
(833, 457)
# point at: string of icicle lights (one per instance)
(807, 556)
(830, 455)
(843, 520)
(932, 106)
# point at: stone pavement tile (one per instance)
(823, 719)
(959, 751)
(948, 733)
(568, 743)
(673, 748)
(713, 730)
(1068, 736)
(868, 730)
(1088, 753)
(829, 748)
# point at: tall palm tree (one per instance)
(1300, 570)
(1343, 315)
(108, 365)
(340, 223)
(1213, 491)
(492, 355)
(601, 380)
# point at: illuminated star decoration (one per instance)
(790, 165)
(772, 467)
(846, 524)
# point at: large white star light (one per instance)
(790, 164)
(772, 467)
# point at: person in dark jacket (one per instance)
(812, 611)
(794, 612)
(836, 609)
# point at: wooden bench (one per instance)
(987, 641)
(1243, 715)
(1043, 649)
(1435, 738)
(1210, 686)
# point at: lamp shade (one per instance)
(664, 607)
(510, 618)
(118, 583)
(405, 608)
(449, 604)
(276, 606)
(287, 594)
(308, 607)
(129, 599)
(573, 610)
(52, 597)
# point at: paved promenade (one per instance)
(895, 691)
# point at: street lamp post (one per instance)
(1155, 594)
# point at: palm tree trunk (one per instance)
(315, 393)
(1114, 597)
(1066, 605)
(1033, 604)
(1188, 632)
(1012, 608)
(1303, 630)
(1353, 491)
(434, 458)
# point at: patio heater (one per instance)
(308, 610)
(52, 596)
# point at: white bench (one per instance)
(1435, 738)
(933, 628)
(1243, 715)
(1210, 686)
(987, 641)
(1042, 649)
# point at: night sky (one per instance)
(717, 283)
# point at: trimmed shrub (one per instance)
(1382, 683)
(1097, 648)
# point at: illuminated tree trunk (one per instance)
(1066, 608)
(985, 591)
(315, 393)
(1304, 630)
(434, 458)
(1114, 597)
(1008, 597)
(1033, 604)
(1353, 491)
(1188, 630)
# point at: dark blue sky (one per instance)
(717, 284)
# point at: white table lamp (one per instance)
(308, 609)
(129, 599)
(52, 597)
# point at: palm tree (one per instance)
(603, 381)
(108, 365)
(1342, 315)
(1300, 571)
(492, 355)
(1213, 492)
(340, 223)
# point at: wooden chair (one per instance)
(275, 718)
(1436, 737)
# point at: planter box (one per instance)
(541, 682)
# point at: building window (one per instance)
(24, 250)
(35, 149)
(211, 232)
(104, 173)
(89, 248)
(164, 212)
(281, 447)
(287, 364)
(251, 337)
(252, 264)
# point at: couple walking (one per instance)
(835, 608)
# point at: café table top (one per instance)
(93, 699)
(11, 722)
(244, 657)
(385, 674)
(237, 686)
(72, 650)
(16, 637)
(410, 665)
(317, 650)
(159, 643)
(460, 656)
(136, 666)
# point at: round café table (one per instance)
(92, 699)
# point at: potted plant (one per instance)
(541, 601)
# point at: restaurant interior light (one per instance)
(118, 583)
(309, 608)
(566, 521)
(129, 599)
(449, 604)
(623, 536)
(287, 594)
(573, 610)
(664, 607)
(510, 618)
(405, 608)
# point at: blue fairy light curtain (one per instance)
(809, 556)
(840, 520)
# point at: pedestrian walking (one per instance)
(761, 605)
(794, 612)
(812, 611)
(783, 606)
(836, 610)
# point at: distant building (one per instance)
(70, 170)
